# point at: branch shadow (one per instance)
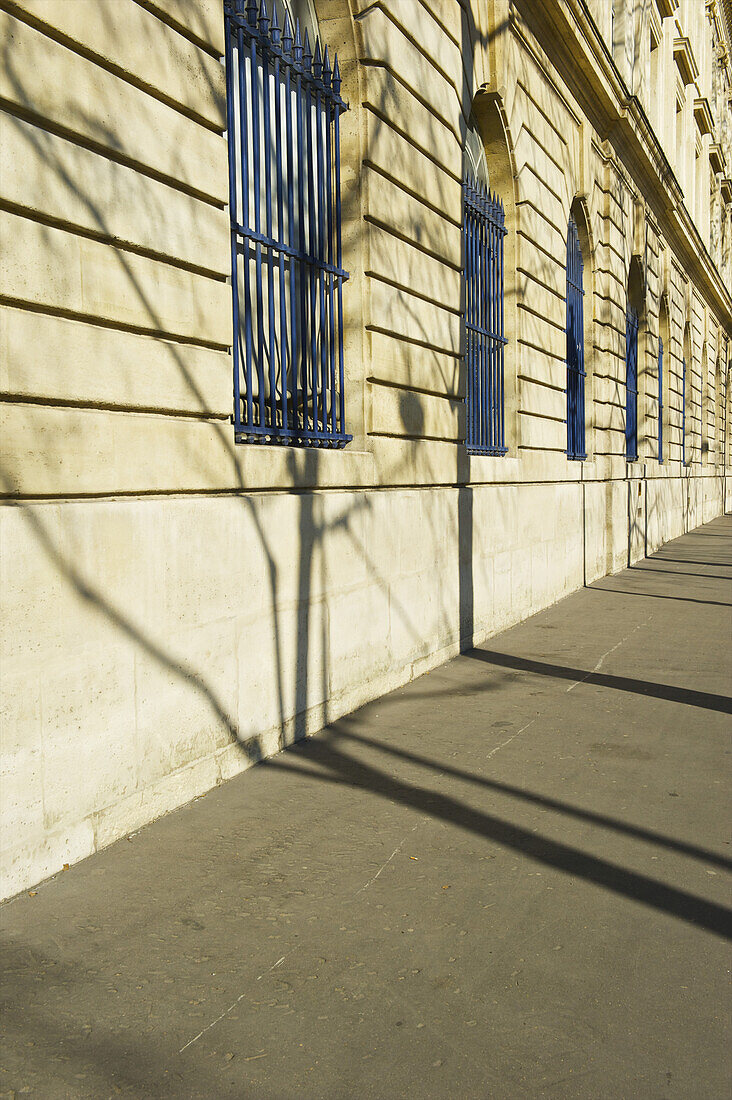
(338, 767)
(686, 696)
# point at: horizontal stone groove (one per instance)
(526, 129)
(115, 242)
(368, 62)
(100, 322)
(380, 170)
(548, 450)
(184, 31)
(447, 77)
(413, 340)
(376, 433)
(541, 213)
(393, 231)
(114, 407)
(537, 106)
(44, 123)
(409, 138)
(542, 283)
(104, 63)
(544, 351)
(402, 338)
(435, 15)
(540, 247)
(388, 384)
(378, 277)
(527, 166)
(542, 416)
(559, 326)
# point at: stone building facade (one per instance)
(176, 604)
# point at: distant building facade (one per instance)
(243, 493)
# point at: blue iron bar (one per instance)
(473, 345)
(683, 411)
(244, 144)
(660, 400)
(320, 233)
(483, 235)
(256, 433)
(251, 33)
(302, 364)
(495, 408)
(329, 215)
(280, 210)
(258, 251)
(264, 22)
(501, 396)
(483, 422)
(631, 386)
(486, 332)
(258, 53)
(288, 40)
(307, 61)
(232, 208)
(337, 162)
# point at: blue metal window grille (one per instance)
(483, 233)
(631, 386)
(575, 347)
(660, 399)
(683, 411)
(283, 112)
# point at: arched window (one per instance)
(575, 346)
(283, 123)
(704, 405)
(663, 353)
(686, 398)
(483, 234)
(718, 411)
(632, 324)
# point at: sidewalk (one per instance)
(508, 879)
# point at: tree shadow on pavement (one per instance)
(339, 767)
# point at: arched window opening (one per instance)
(718, 411)
(483, 234)
(283, 123)
(663, 353)
(686, 398)
(575, 346)
(704, 410)
(632, 325)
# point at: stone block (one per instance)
(129, 39)
(62, 360)
(50, 268)
(46, 175)
(88, 730)
(99, 107)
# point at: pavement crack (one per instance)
(384, 865)
(612, 649)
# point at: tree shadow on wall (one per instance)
(299, 657)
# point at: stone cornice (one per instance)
(580, 54)
(685, 60)
(703, 115)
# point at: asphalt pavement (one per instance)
(508, 879)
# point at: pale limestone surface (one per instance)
(164, 595)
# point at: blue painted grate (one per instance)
(575, 347)
(660, 400)
(631, 386)
(483, 233)
(683, 411)
(283, 112)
